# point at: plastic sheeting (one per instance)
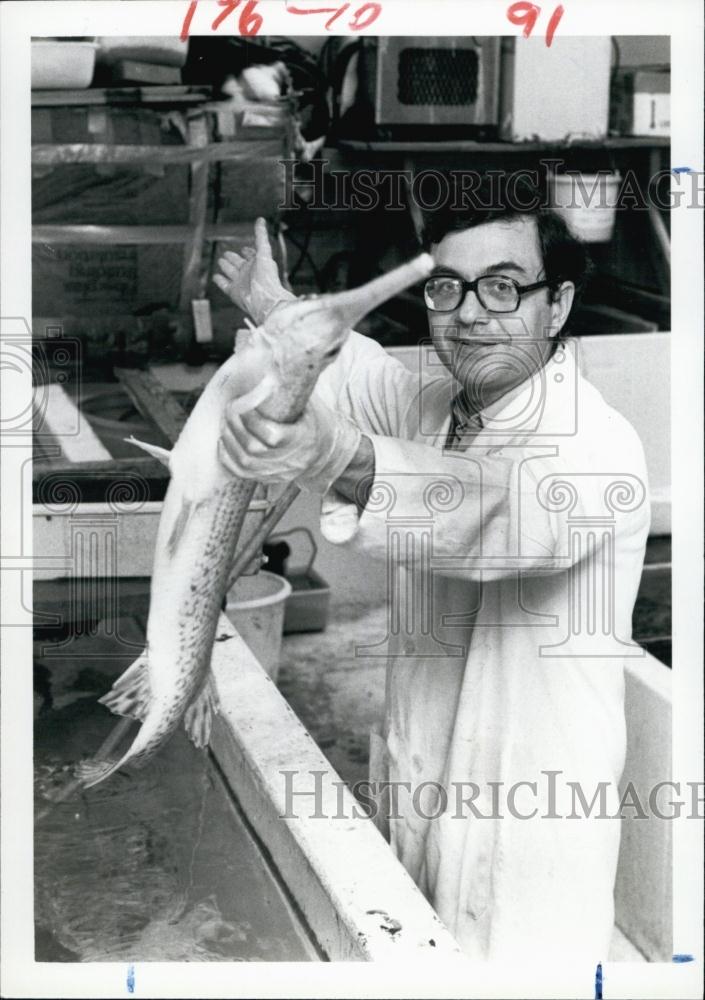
(92, 286)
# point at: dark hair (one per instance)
(507, 196)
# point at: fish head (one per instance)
(314, 328)
(311, 329)
(277, 364)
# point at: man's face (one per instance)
(490, 353)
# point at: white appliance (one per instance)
(555, 92)
(436, 81)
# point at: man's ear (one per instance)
(561, 306)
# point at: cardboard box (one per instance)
(641, 103)
(113, 294)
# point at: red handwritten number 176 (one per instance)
(525, 16)
(249, 23)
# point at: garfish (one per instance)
(275, 368)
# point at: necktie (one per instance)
(463, 429)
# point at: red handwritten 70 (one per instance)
(363, 17)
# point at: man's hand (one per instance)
(251, 279)
(314, 451)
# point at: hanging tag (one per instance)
(203, 327)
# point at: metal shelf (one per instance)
(472, 146)
(121, 96)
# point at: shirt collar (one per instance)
(526, 405)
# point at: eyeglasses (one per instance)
(496, 293)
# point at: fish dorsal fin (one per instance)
(130, 695)
(255, 397)
(162, 454)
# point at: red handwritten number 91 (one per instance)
(526, 14)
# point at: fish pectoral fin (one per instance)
(162, 454)
(131, 694)
(199, 715)
(91, 772)
(255, 397)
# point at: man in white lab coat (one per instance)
(512, 504)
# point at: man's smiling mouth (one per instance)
(474, 342)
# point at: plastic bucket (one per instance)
(587, 202)
(255, 606)
(307, 608)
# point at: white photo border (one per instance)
(21, 976)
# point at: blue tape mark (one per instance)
(682, 958)
(681, 170)
(130, 979)
(598, 981)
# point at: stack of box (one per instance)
(641, 102)
(133, 204)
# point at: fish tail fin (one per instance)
(130, 695)
(198, 718)
(92, 772)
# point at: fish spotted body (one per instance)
(275, 369)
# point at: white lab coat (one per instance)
(535, 537)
